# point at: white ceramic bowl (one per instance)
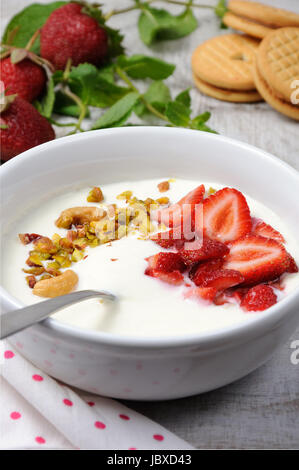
(164, 367)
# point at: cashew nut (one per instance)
(79, 216)
(55, 286)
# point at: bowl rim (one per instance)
(224, 335)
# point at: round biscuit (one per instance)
(264, 14)
(278, 60)
(272, 99)
(246, 26)
(225, 61)
(222, 94)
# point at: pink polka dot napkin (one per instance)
(37, 412)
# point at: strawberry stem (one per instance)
(32, 40)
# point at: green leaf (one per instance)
(57, 76)
(178, 114)
(220, 10)
(92, 86)
(28, 21)
(118, 114)
(115, 47)
(184, 98)
(65, 105)
(46, 104)
(199, 121)
(158, 95)
(141, 66)
(107, 73)
(157, 24)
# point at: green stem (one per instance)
(118, 12)
(67, 91)
(80, 105)
(67, 70)
(150, 108)
(125, 10)
(139, 6)
(62, 124)
(188, 4)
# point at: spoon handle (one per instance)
(16, 320)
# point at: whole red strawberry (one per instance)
(25, 78)
(70, 34)
(22, 127)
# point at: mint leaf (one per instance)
(92, 86)
(156, 24)
(178, 114)
(141, 66)
(184, 98)
(158, 95)
(115, 47)
(46, 104)
(107, 73)
(220, 10)
(28, 21)
(118, 114)
(66, 106)
(199, 121)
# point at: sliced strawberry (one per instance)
(174, 277)
(220, 298)
(292, 268)
(166, 262)
(205, 293)
(209, 249)
(172, 216)
(259, 297)
(174, 237)
(257, 258)
(259, 227)
(163, 239)
(226, 215)
(212, 265)
(220, 279)
(231, 296)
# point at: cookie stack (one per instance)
(276, 71)
(222, 68)
(257, 19)
(241, 68)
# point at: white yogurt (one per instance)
(146, 306)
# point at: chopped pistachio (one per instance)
(163, 200)
(31, 281)
(44, 245)
(126, 195)
(77, 255)
(95, 195)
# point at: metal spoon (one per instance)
(17, 320)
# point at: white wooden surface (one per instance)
(262, 410)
